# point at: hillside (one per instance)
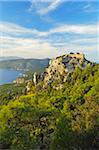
(60, 111)
(25, 64)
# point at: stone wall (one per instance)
(78, 56)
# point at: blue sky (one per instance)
(47, 28)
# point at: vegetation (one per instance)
(9, 92)
(49, 119)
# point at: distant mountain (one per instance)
(37, 65)
(9, 58)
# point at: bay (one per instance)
(8, 75)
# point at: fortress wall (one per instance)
(59, 59)
(79, 56)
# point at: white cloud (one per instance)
(44, 6)
(87, 40)
(13, 29)
(89, 8)
(77, 29)
(16, 30)
(25, 47)
(31, 48)
(51, 7)
(24, 42)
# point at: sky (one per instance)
(49, 28)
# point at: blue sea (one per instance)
(8, 75)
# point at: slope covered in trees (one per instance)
(50, 119)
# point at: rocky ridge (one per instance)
(62, 66)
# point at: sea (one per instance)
(9, 75)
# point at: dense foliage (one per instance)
(64, 119)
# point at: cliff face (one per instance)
(61, 66)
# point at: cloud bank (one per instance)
(31, 43)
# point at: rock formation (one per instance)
(35, 78)
(63, 65)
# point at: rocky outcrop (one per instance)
(19, 80)
(63, 65)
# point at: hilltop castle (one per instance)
(80, 56)
(63, 65)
